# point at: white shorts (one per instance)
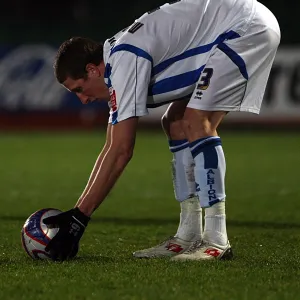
(236, 74)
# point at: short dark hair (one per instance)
(73, 55)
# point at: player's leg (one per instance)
(206, 147)
(98, 162)
(234, 80)
(190, 224)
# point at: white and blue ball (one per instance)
(36, 235)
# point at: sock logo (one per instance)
(210, 182)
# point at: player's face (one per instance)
(89, 89)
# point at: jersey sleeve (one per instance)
(128, 81)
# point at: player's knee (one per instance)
(124, 158)
(172, 127)
(169, 119)
(124, 153)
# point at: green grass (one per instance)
(263, 208)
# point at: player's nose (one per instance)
(84, 99)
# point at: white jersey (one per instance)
(161, 56)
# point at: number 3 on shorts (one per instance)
(205, 79)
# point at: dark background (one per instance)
(54, 21)
(32, 30)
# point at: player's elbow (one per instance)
(125, 154)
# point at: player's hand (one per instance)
(65, 243)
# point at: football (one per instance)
(35, 235)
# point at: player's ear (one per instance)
(92, 70)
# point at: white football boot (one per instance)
(168, 248)
(205, 251)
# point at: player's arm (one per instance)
(130, 78)
(113, 163)
(97, 164)
(108, 167)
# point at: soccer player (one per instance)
(204, 57)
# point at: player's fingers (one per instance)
(62, 257)
(49, 246)
(54, 245)
(74, 250)
(57, 254)
(53, 253)
(51, 220)
(59, 250)
(63, 254)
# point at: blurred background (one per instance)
(49, 142)
(32, 30)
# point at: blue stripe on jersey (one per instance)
(195, 51)
(107, 74)
(238, 60)
(133, 49)
(175, 82)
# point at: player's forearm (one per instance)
(111, 168)
(97, 164)
(93, 173)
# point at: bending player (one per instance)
(206, 58)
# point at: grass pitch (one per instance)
(263, 210)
